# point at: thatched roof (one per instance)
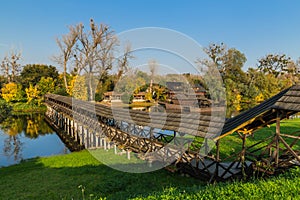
(290, 100)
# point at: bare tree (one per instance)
(152, 67)
(276, 64)
(5, 68)
(123, 62)
(10, 66)
(94, 53)
(66, 44)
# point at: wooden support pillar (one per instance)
(243, 155)
(128, 154)
(205, 146)
(91, 138)
(217, 158)
(70, 127)
(277, 138)
(218, 150)
(98, 140)
(115, 149)
(76, 131)
(60, 120)
(86, 138)
(65, 123)
(104, 144)
(101, 142)
(81, 135)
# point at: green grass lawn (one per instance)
(80, 176)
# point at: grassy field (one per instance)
(80, 176)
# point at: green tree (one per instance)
(229, 63)
(46, 85)
(32, 74)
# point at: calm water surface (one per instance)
(27, 136)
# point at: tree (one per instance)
(32, 74)
(152, 67)
(77, 88)
(123, 62)
(229, 63)
(46, 85)
(216, 52)
(10, 66)
(32, 94)
(66, 44)
(276, 64)
(93, 51)
(12, 92)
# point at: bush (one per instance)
(5, 109)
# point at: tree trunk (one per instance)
(65, 77)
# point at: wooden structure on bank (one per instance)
(93, 125)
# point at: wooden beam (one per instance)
(277, 138)
(290, 136)
(290, 149)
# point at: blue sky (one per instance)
(253, 27)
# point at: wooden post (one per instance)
(86, 138)
(243, 155)
(218, 150)
(97, 140)
(105, 144)
(101, 142)
(128, 154)
(92, 140)
(115, 149)
(217, 158)
(81, 135)
(277, 138)
(65, 124)
(205, 146)
(76, 131)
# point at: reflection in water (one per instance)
(12, 147)
(18, 129)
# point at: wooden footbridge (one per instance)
(186, 143)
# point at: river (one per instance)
(27, 136)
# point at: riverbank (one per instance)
(81, 176)
(21, 107)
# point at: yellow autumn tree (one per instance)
(77, 88)
(11, 92)
(32, 94)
